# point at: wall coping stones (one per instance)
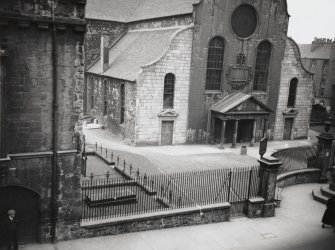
(30, 155)
(297, 172)
(39, 154)
(162, 214)
(256, 200)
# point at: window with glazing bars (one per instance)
(123, 99)
(215, 64)
(262, 66)
(105, 98)
(168, 91)
(292, 93)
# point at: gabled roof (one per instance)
(231, 103)
(135, 49)
(136, 10)
(321, 52)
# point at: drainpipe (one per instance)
(54, 180)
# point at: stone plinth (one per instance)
(268, 172)
(255, 207)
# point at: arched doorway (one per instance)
(26, 204)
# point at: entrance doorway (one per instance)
(217, 130)
(26, 204)
(244, 133)
(288, 128)
(167, 133)
(229, 133)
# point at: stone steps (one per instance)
(326, 191)
(323, 194)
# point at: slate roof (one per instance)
(135, 49)
(136, 10)
(321, 52)
(233, 100)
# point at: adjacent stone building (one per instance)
(41, 90)
(186, 71)
(319, 58)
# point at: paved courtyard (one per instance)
(179, 158)
(296, 226)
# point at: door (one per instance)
(288, 128)
(26, 204)
(229, 131)
(167, 133)
(244, 133)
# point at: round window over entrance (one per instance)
(244, 21)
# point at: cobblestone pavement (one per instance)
(296, 226)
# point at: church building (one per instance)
(188, 71)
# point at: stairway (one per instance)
(323, 194)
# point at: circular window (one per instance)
(244, 21)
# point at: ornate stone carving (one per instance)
(239, 76)
(168, 113)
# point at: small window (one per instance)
(105, 97)
(292, 93)
(262, 66)
(122, 103)
(168, 98)
(215, 64)
(92, 91)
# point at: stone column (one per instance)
(323, 154)
(223, 130)
(268, 176)
(235, 134)
(252, 143)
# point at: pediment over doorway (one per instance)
(240, 103)
(168, 113)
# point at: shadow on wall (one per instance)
(296, 158)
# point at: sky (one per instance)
(311, 18)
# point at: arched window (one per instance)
(92, 91)
(215, 64)
(105, 97)
(123, 101)
(262, 66)
(292, 93)
(168, 91)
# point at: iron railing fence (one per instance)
(110, 156)
(117, 197)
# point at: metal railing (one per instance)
(116, 197)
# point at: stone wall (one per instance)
(29, 86)
(33, 171)
(112, 120)
(150, 88)
(167, 219)
(292, 68)
(35, 60)
(298, 177)
(94, 30)
(295, 158)
(212, 18)
(174, 21)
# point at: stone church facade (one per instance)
(195, 71)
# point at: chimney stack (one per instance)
(104, 52)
